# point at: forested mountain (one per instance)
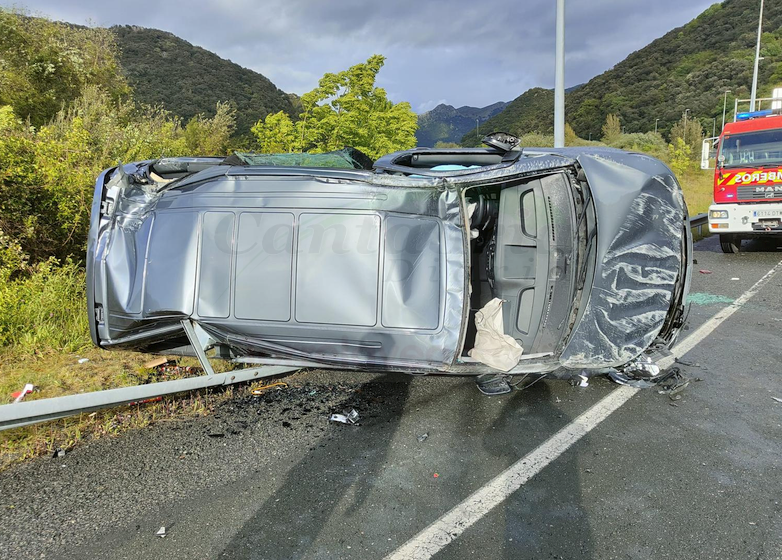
(532, 111)
(688, 68)
(188, 80)
(446, 123)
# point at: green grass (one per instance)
(44, 308)
(698, 187)
(43, 335)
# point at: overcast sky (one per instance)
(460, 52)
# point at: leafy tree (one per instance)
(346, 109)
(571, 138)
(45, 65)
(680, 156)
(690, 131)
(276, 134)
(612, 128)
(46, 174)
(210, 136)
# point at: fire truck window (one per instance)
(753, 148)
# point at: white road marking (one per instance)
(439, 534)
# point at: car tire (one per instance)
(730, 243)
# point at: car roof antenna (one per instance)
(503, 141)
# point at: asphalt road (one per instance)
(270, 478)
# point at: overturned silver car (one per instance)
(455, 261)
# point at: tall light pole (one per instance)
(724, 107)
(757, 61)
(655, 125)
(685, 124)
(714, 128)
(559, 81)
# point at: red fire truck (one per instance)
(747, 178)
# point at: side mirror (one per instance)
(706, 154)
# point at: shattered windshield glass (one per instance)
(347, 158)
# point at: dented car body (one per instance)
(385, 268)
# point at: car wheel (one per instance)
(730, 243)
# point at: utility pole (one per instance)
(477, 128)
(724, 107)
(757, 61)
(714, 128)
(655, 125)
(559, 81)
(685, 124)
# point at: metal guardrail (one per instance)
(697, 222)
(25, 413)
(42, 410)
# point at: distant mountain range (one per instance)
(446, 123)
(187, 80)
(688, 68)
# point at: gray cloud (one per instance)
(459, 51)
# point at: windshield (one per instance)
(753, 148)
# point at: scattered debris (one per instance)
(19, 395)
(687, 364)
(673, 382)
(145, 401)
(83, 360)
(641, 373)
(704, 271)
(642, 367)
(638, 375)
(622, 379)
(777, 399)
(734, 279)
(58, 453)
(161, 532)
(702, 298)
(422, 437)
(349, 417)
(436, 475)
(260, 390)
(157, 362)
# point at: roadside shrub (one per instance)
(44, 310)
(647, 142)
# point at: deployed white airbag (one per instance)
(492, 346)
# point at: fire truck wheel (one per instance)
(730, 243)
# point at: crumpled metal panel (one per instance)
(198, 252)
(641, 221)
